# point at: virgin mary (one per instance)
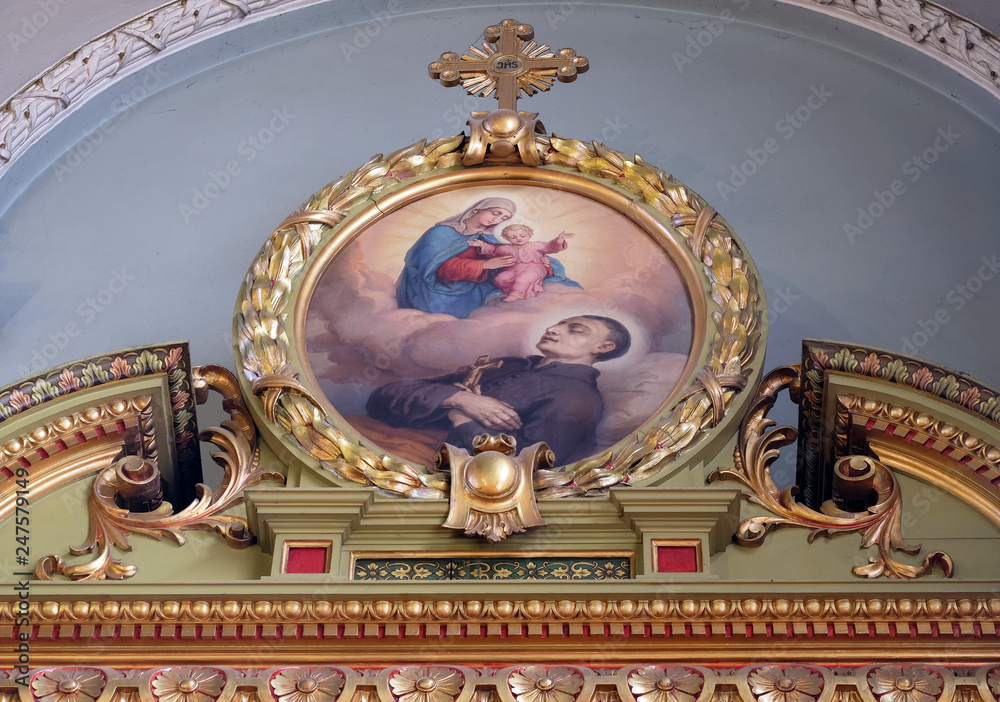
(443, 274)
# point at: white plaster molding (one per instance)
(961, 44)
(958, 43)
(26, 116)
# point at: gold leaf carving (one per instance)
(111, 526)
(758, 447)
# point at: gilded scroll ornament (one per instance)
(538, 684)
(426, 684)
(307, 685)
(880, 525)
(111, 526)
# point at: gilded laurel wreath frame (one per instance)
(703, 410)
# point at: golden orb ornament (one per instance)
(491, 474)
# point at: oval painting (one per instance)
(512, 309)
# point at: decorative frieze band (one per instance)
(881, 682)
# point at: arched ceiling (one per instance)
(112, 219)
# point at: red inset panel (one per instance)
(676, 559)
(306, 559)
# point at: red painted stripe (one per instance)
(910, 435)
(121, 426)
(42, 453)
(24, 462)
(80, 438)
(890, 429)
(99, 430)
(7, 472)
(61, 445)
(869, 424)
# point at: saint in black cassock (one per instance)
(558, 403)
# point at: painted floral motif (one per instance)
(120, 368)
(895, 370)
(922, 378)
(19, 401)
(970, 397)
(68, 685)
(68, 381)
(947, 387)
(651, 684)
(844, 360)
(902, 684)
(93, 372)
(425, 684)
(43, 391)
(187, 685)
(556, 568)
(536, 684)
(307, 685)
(871, 365)
(792, 684)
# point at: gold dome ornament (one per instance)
(491, 490)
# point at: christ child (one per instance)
(529, 266)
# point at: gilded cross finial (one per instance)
(508, 64)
